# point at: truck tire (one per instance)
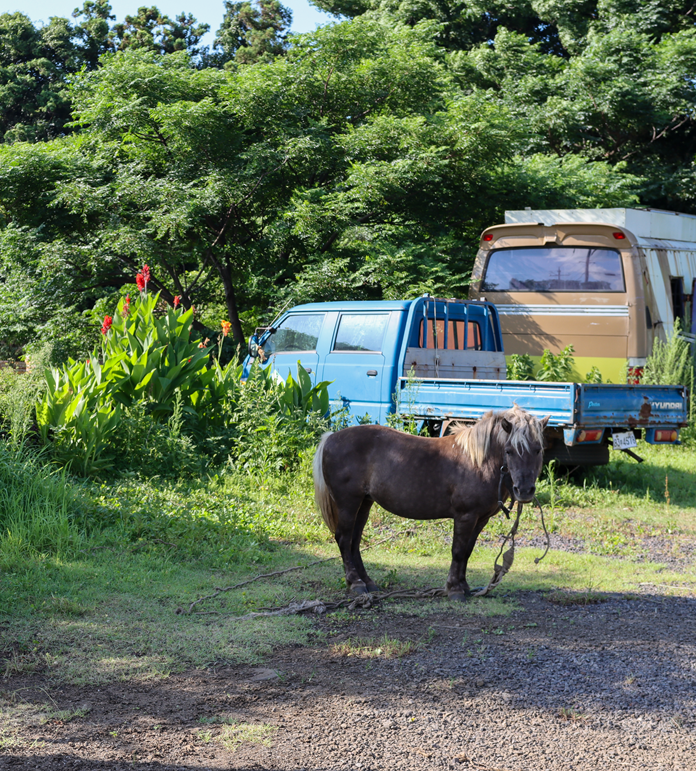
(579, 455)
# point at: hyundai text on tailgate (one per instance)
(442, 361)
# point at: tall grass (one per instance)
(35, 506)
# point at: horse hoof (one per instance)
(373, 588)
(357, 589)
(458, 596)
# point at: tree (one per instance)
(624, 98)
(152, 30)
(36, 64)
(253, 32)
(92, 32)
(604, 79)
(354, 166)
(34, 100)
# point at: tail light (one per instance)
(590, 436)
(666, 435)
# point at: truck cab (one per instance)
(363, 348)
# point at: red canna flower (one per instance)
(106, 326)
(142, 278)
(126, 306)
(177, 301)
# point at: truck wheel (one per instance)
(579, 455)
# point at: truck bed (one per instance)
(570, 405)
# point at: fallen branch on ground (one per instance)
(220, 590)
(351, 603)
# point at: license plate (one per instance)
(624, 440)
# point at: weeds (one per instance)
(231, 736)
(37, 506)
(386, 648)
(571, 715)
(64, 715)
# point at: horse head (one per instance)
(522, 437)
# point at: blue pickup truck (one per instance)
(442, 362)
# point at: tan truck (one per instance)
(606, 281)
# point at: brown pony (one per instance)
(454, 477)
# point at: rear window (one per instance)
(361, 332)
(554, 269)
(461, 335)
(295, 333)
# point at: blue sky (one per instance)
(305, 16)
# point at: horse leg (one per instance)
(463, 542)
(360, 522)
(348, 517)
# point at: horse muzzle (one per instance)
(525, 495)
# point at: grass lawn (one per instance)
(103, 605)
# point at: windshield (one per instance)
(554, 269)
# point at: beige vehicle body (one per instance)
(606, 281)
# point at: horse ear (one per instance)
(507, 426)
(544, 422)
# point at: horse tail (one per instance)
(322, 494)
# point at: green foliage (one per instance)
(594, 375)
(404, 416)
(275, 422)
(556, 368)
(37, 506)
(78, 417)
(520, 367)
(151, 357)
(362, 164)
(253, 32)
(153, 398)
(154, 31)
(672, 363)
(18, 395)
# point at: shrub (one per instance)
(556, 368)
(520, 367)
(154, 397)
(672, 363)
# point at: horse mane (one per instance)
(475, 441)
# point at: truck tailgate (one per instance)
(633, 406)
(469, 399)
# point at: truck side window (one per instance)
(295, 333)
(434, 332)
(361, 332)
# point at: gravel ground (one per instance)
(551, 686)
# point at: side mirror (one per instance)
(253, 346)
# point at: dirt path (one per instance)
(609, 685)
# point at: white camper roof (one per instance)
(643, 223)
